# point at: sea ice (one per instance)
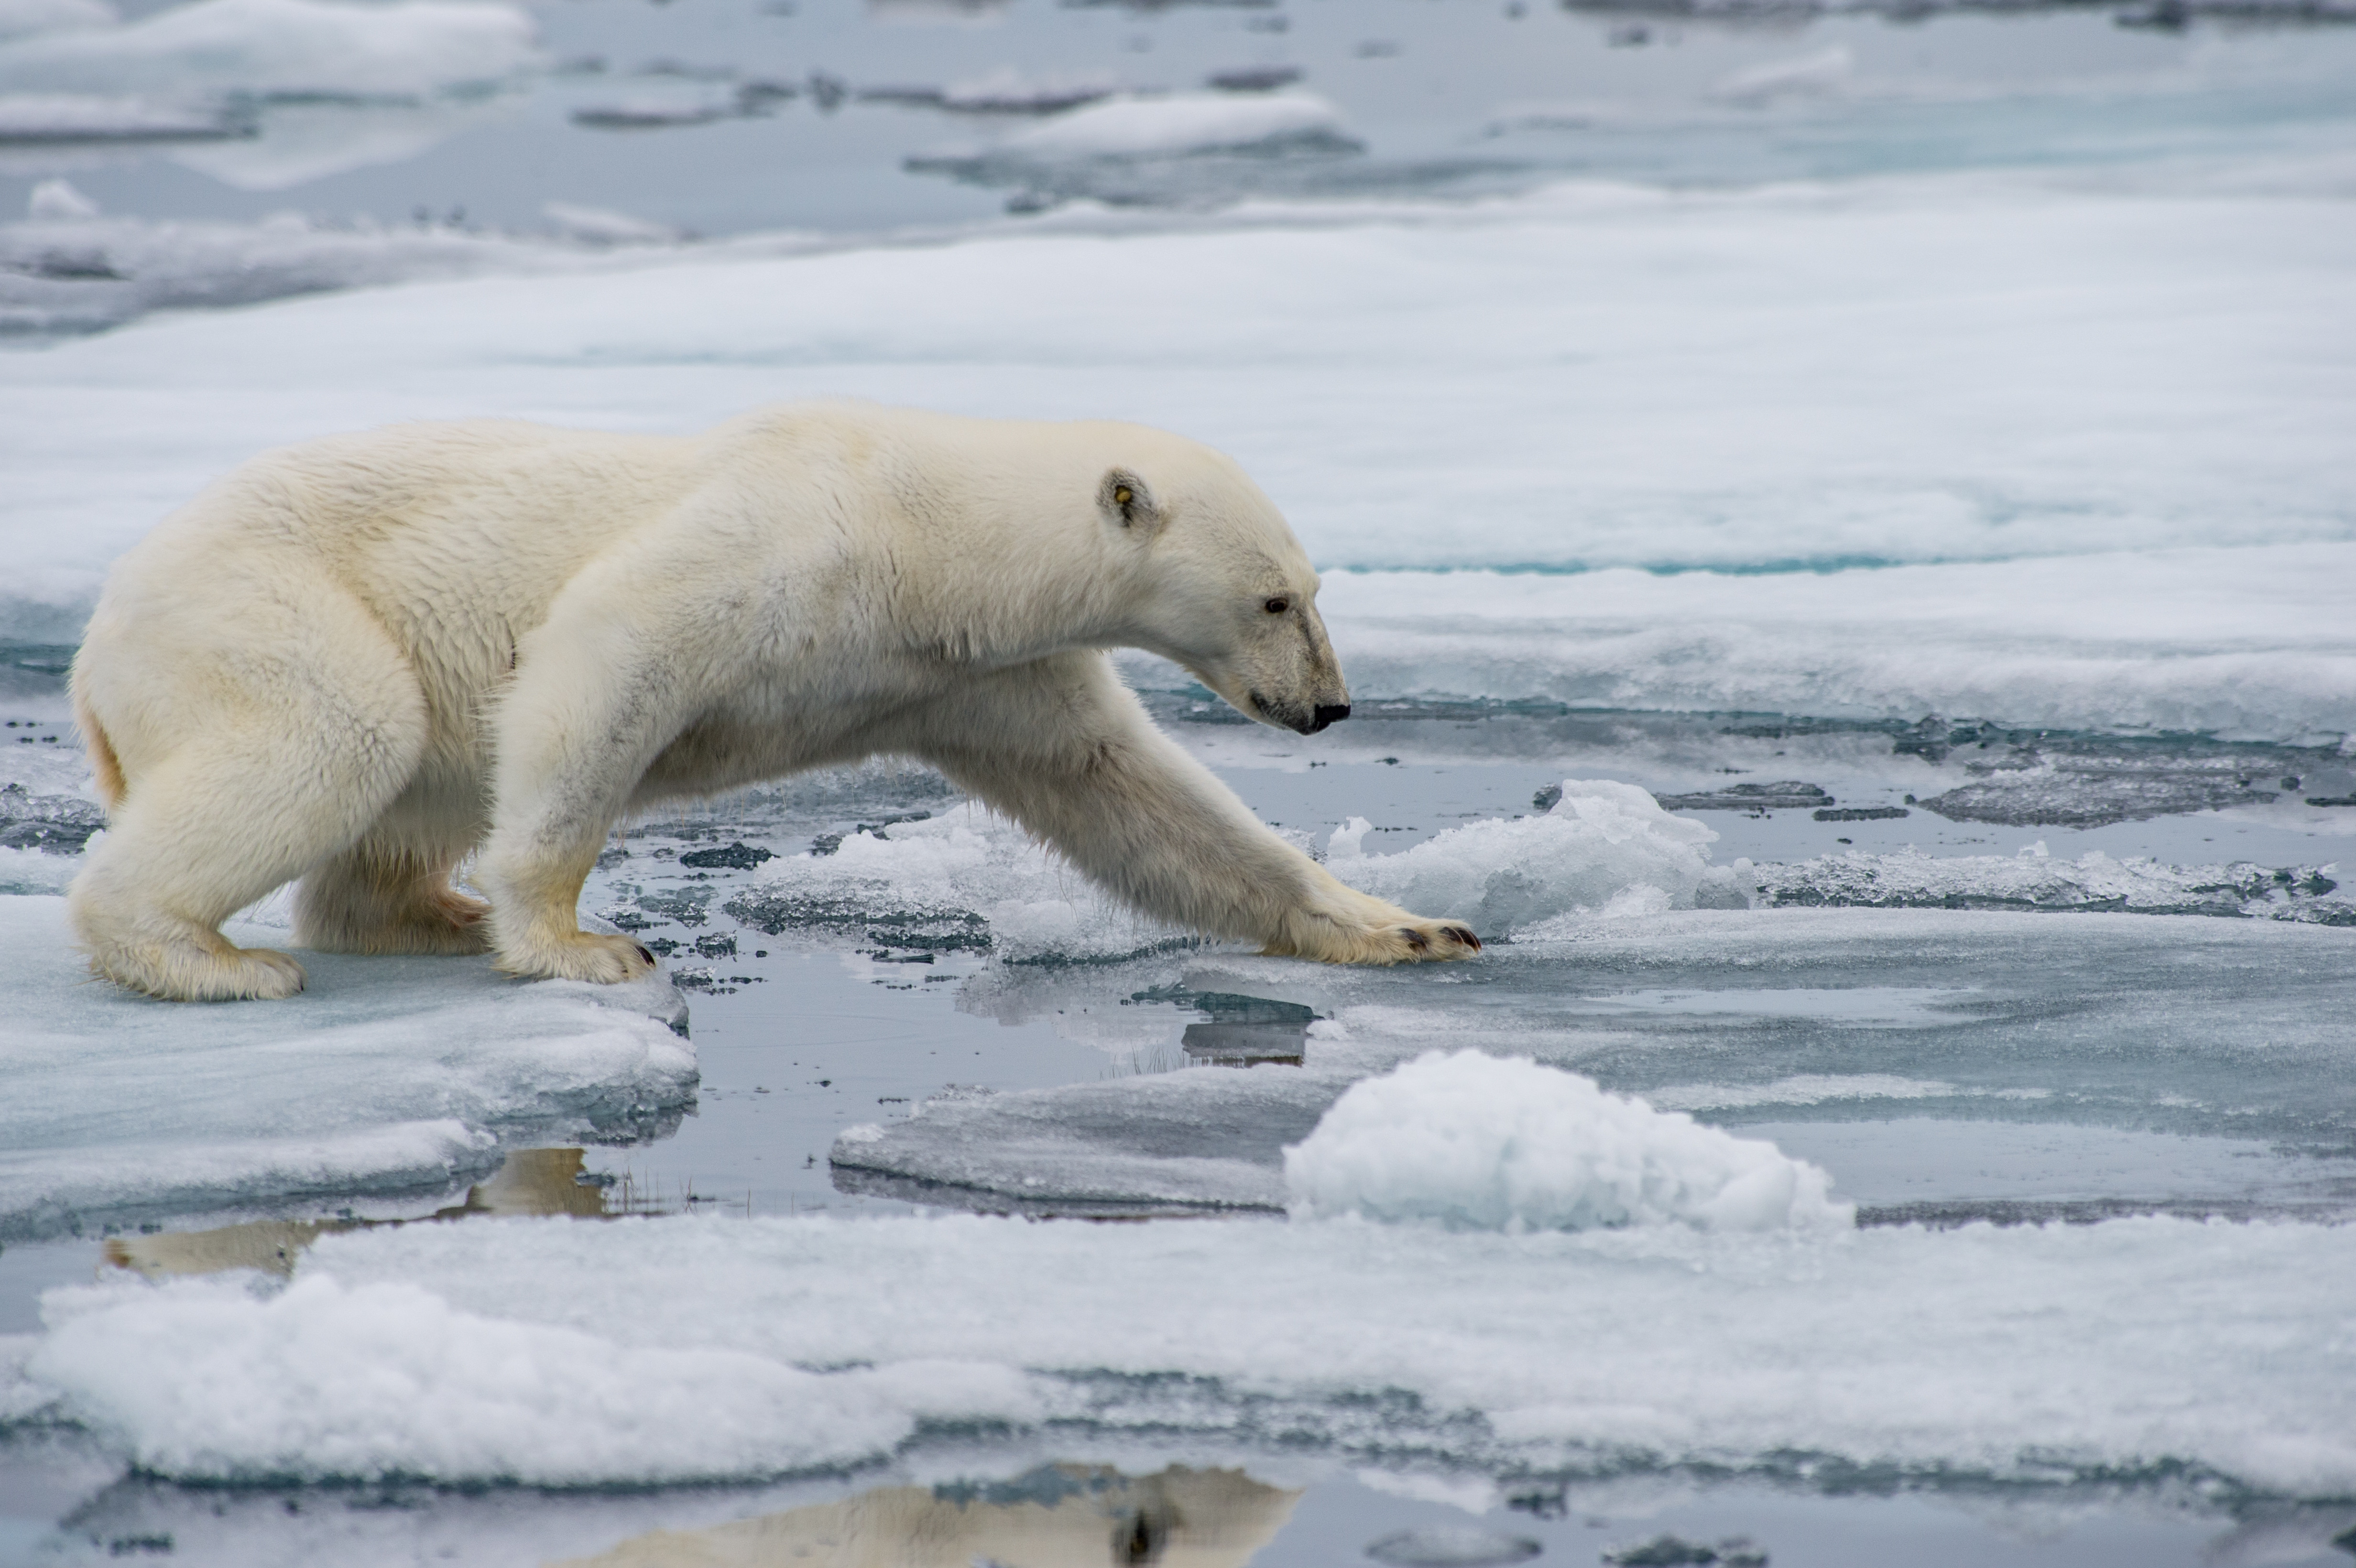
(280, 49)
(21, 18)
(387, 1074)
(1475, 1142)
(523, 1351)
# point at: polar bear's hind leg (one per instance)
(233, 787)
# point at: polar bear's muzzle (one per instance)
(1298, 715)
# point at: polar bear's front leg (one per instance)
(574, 736)
(1067, 750)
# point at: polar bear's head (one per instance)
(1222, 587)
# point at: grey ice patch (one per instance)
(55, 823)
(1788, 795)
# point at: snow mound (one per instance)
(2094, 882)
(1187, 124)
(966, 880)
(446, 1394)
(387, 1074)
(1475, 1142)
(282, 49)
(1604, 848)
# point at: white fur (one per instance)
(355, 660)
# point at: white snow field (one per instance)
(2094, 431)
(387, 1075)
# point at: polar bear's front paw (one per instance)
(581, 956)
(1391, 936)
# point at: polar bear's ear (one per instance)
(1126, 503)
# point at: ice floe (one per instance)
(1601, 842)
(523, 1351)
(2094, 882)
(281, 48)
(1187, 123)
(389, 1075)
(1470, 1141)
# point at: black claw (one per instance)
(1415, 938)
(644, 952)
(1464, 934)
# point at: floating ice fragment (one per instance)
(55, 199)
(22, 19)
(1602, 846)
(602, 226)
(1451, 1546)
(282, 48)
(1188, 124)
(1477, 1142)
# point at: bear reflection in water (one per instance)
(532, 1182)
(1063, 1516)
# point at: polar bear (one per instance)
(357, 661)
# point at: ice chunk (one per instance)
(1457, 1546)
(282, 49)
(522, 1350)
(58, 118)
(390, 1073)
(1184, 125)
(964, 880)
(1474, 1142)
(1601, 841)
(1009, 91)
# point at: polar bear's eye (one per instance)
(1278, 605)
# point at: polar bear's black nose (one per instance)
(1327, 714)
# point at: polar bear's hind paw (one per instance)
(201, 972)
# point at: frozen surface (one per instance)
(523, 1350)
(280, 47)
(388, 1074)
(1475, 1142)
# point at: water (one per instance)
(1909, 447)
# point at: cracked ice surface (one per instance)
(387, 1074)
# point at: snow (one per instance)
(386, 1074)
(1601, 842)
(1184, 125)
(282, 49)
(1475, 1142)
(523, 1350)
(2020, 447)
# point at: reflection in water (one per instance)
(532, 1182)
(1062, 1516)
